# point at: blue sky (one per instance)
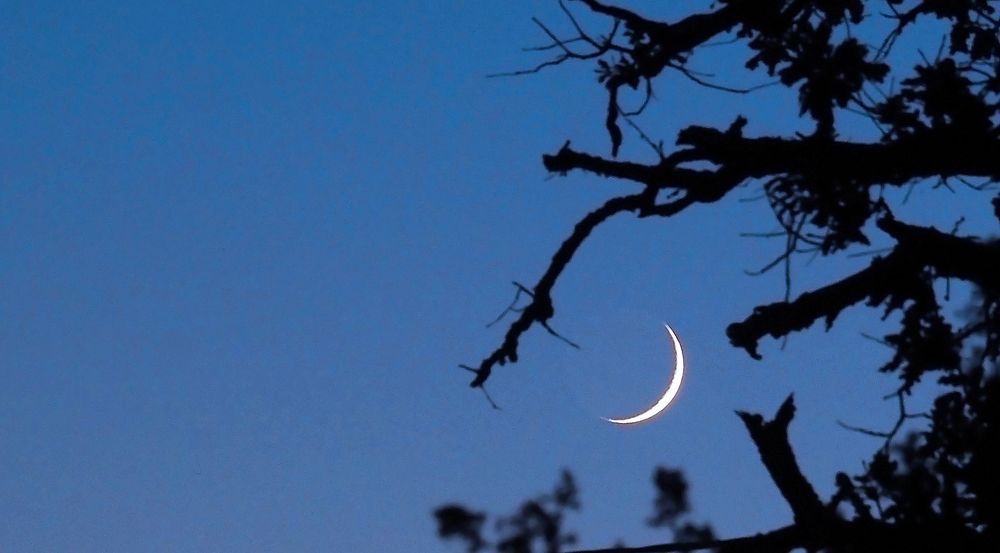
(245, 245)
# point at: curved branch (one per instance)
(540, 310)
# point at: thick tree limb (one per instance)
(897, 162)
(937, 153)
(771, 439)
(782, 318)
(567, 159)
(707, 185)
(961, 257)
(917, 248)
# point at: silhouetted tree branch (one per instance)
(771, 438)
(540, 309)
(900, 273)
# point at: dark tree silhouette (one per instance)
(934, 489)
(538, 522)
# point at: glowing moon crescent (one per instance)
(672, 389)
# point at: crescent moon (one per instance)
(671, 392)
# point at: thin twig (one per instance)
(694, 77)
(551, 331)
(658, 148)
(512, 307)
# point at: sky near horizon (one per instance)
(244, 247)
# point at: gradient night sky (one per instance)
(245, 245)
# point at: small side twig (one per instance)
(900, 420)
(550, 330)
(512, 308)
(493, 404)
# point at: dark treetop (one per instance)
(933, 491)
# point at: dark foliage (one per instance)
(535, 526)
(671, 497)
(931, 490)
